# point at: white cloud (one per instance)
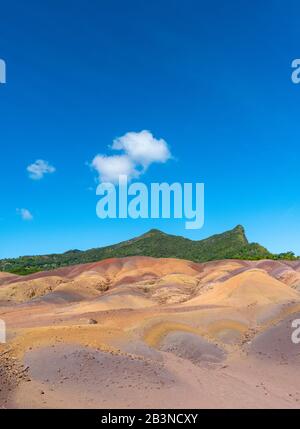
(110, 168)
(25, 214)
(39, 168)
(143, 148)
(140, 151)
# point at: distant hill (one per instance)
(231, 244)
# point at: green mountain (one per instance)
(231, 244)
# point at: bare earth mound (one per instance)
(146, 332)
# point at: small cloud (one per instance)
(25, 214)
(39, 168)
(140, 151)
(110, 168)
(143, 148)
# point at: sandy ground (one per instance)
(152, 333)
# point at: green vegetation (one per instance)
(232, 244)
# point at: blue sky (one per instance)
(211, 78)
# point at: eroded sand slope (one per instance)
(146, 332)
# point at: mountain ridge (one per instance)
(231, 244)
